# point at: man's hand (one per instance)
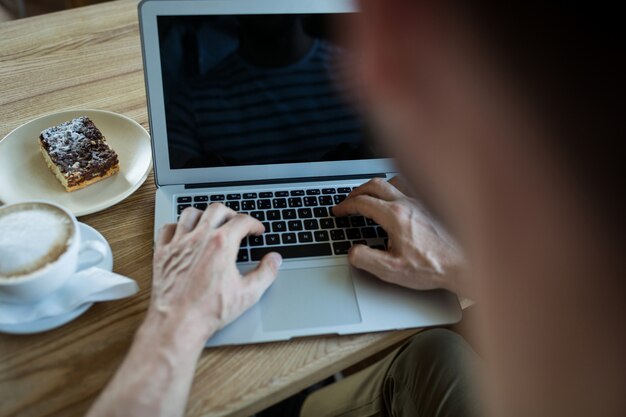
(196, 290)
(195, 276)
(418, 256)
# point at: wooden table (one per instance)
(91, 58)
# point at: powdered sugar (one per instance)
(78, 148)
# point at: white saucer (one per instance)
(24, 175)
(49, 323)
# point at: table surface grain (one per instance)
(91, 58)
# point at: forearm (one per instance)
(156, 375)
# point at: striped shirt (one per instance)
(238, 114)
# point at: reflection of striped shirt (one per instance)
(239, 114)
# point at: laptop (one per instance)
(248, 107)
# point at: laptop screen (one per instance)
(258, 89)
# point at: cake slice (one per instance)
(77, 153)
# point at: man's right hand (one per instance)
(195, 276)
(418, 256)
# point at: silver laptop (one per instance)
(248, 108)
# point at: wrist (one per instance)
(180, 332)
(453, 280)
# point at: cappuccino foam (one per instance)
(31, 236)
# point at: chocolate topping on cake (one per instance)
(79, 149)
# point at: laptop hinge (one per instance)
(285, 180)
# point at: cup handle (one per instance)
(93, 246)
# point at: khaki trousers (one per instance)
(429, 376)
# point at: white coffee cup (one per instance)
(64, 262)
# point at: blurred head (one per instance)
(507, 119)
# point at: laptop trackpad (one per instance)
(312, 297)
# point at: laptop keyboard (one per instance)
(298, 223)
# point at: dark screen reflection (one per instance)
(248, 90)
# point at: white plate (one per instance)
(49, 323)
(25, 176)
